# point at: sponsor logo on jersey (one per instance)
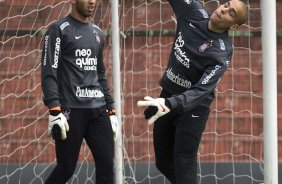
(195, 116)
(179, 53)
(88, 93)
(207, 44)
(77, 37)
(221, 43)
(208, 77)
(188, 1)
(177, 80)
(204, 13)
(64, 25)
(191, 25)
(46, 40)
(57, 52)
(85, 61)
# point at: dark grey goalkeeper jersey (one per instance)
(198, 58)
(73, 73)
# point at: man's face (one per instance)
(85, 7)
(227, 15)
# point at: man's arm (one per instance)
(51, 56)
(108, 97)
(194, 95)
(184, 7)
(102, 78)
(157, 107)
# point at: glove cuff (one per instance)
(111, 112)
(55, 111)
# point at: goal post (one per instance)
(117, 88)
(239, 144)
(270, 122)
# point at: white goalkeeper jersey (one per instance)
(198, 58)
(73, 73)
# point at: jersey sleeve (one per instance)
(102, 77)
(201, 90)
(184, 7)
(51, 58)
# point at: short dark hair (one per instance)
(244, 17)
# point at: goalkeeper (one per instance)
(76, 92)
(199, 57)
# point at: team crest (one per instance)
(221, 43)
(98, 40)
(227, 63)
(207, 44)
(188, 1)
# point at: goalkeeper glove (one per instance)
(114, 123)
(150, 111)
(156, 108)
(57, 125)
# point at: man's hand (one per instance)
(58, 126)
(114, 123)
(161, 110)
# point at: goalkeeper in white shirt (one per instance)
(199, 57)
(76, 92)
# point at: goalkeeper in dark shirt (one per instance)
(76, 92)
(200, 55)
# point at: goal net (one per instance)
(231, 147)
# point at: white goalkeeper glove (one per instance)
(157, 102)
(114, 123)
(58, 126)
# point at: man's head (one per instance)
(227, 16)
(82, 9)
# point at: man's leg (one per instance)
(99, 138)
(164, 133)
(189, 128)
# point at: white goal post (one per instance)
(117, 89)
(270, 121)
(239, 145)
